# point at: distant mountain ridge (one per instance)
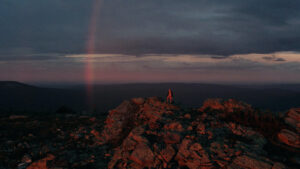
(20, 97)
(13, 84)
(15, 96)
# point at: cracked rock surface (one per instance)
(149, 133)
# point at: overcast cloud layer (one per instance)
(151, 40)
(152, 26)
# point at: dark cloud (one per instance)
(139, 27)
(280, 60)
(273, 58)
(270, 58)
(32, 57)
(218, 57)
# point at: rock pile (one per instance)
(52, 141)
(291, 136)
(149, 133)
(161, 135)
(230, 105)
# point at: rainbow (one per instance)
(90, 47)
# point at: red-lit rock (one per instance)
(201, 128)
(228, 105)
(171, 138)
(138, 101)
(119, 122)
(168, 153)
(142, 155)
(158, 135)
(214, 104)
(278, 166)
(292, 118)
(187, 116)
(26, 159)
(41, 164)
(193, 155)
(175, 126)
(249, 163)
(290, 138)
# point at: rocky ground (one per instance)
(58, 141)
(148, 133)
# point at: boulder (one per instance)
(142, 155)
(248, 162)
(138, 101)
(171, 138)
(292, 118)
(26, 159)
(230, 105)
(192, 155)
(168, 153)
(278, 166)
(174, 126)
(289, 138)
(119, 123)
(41, 164)
(214, 104)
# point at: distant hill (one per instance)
(290, 87)
(12, 84)
(15, 96)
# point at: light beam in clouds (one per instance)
(89, 71)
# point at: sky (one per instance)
(126, 41)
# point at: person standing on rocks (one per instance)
(170, 96)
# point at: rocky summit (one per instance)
(149, 133)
